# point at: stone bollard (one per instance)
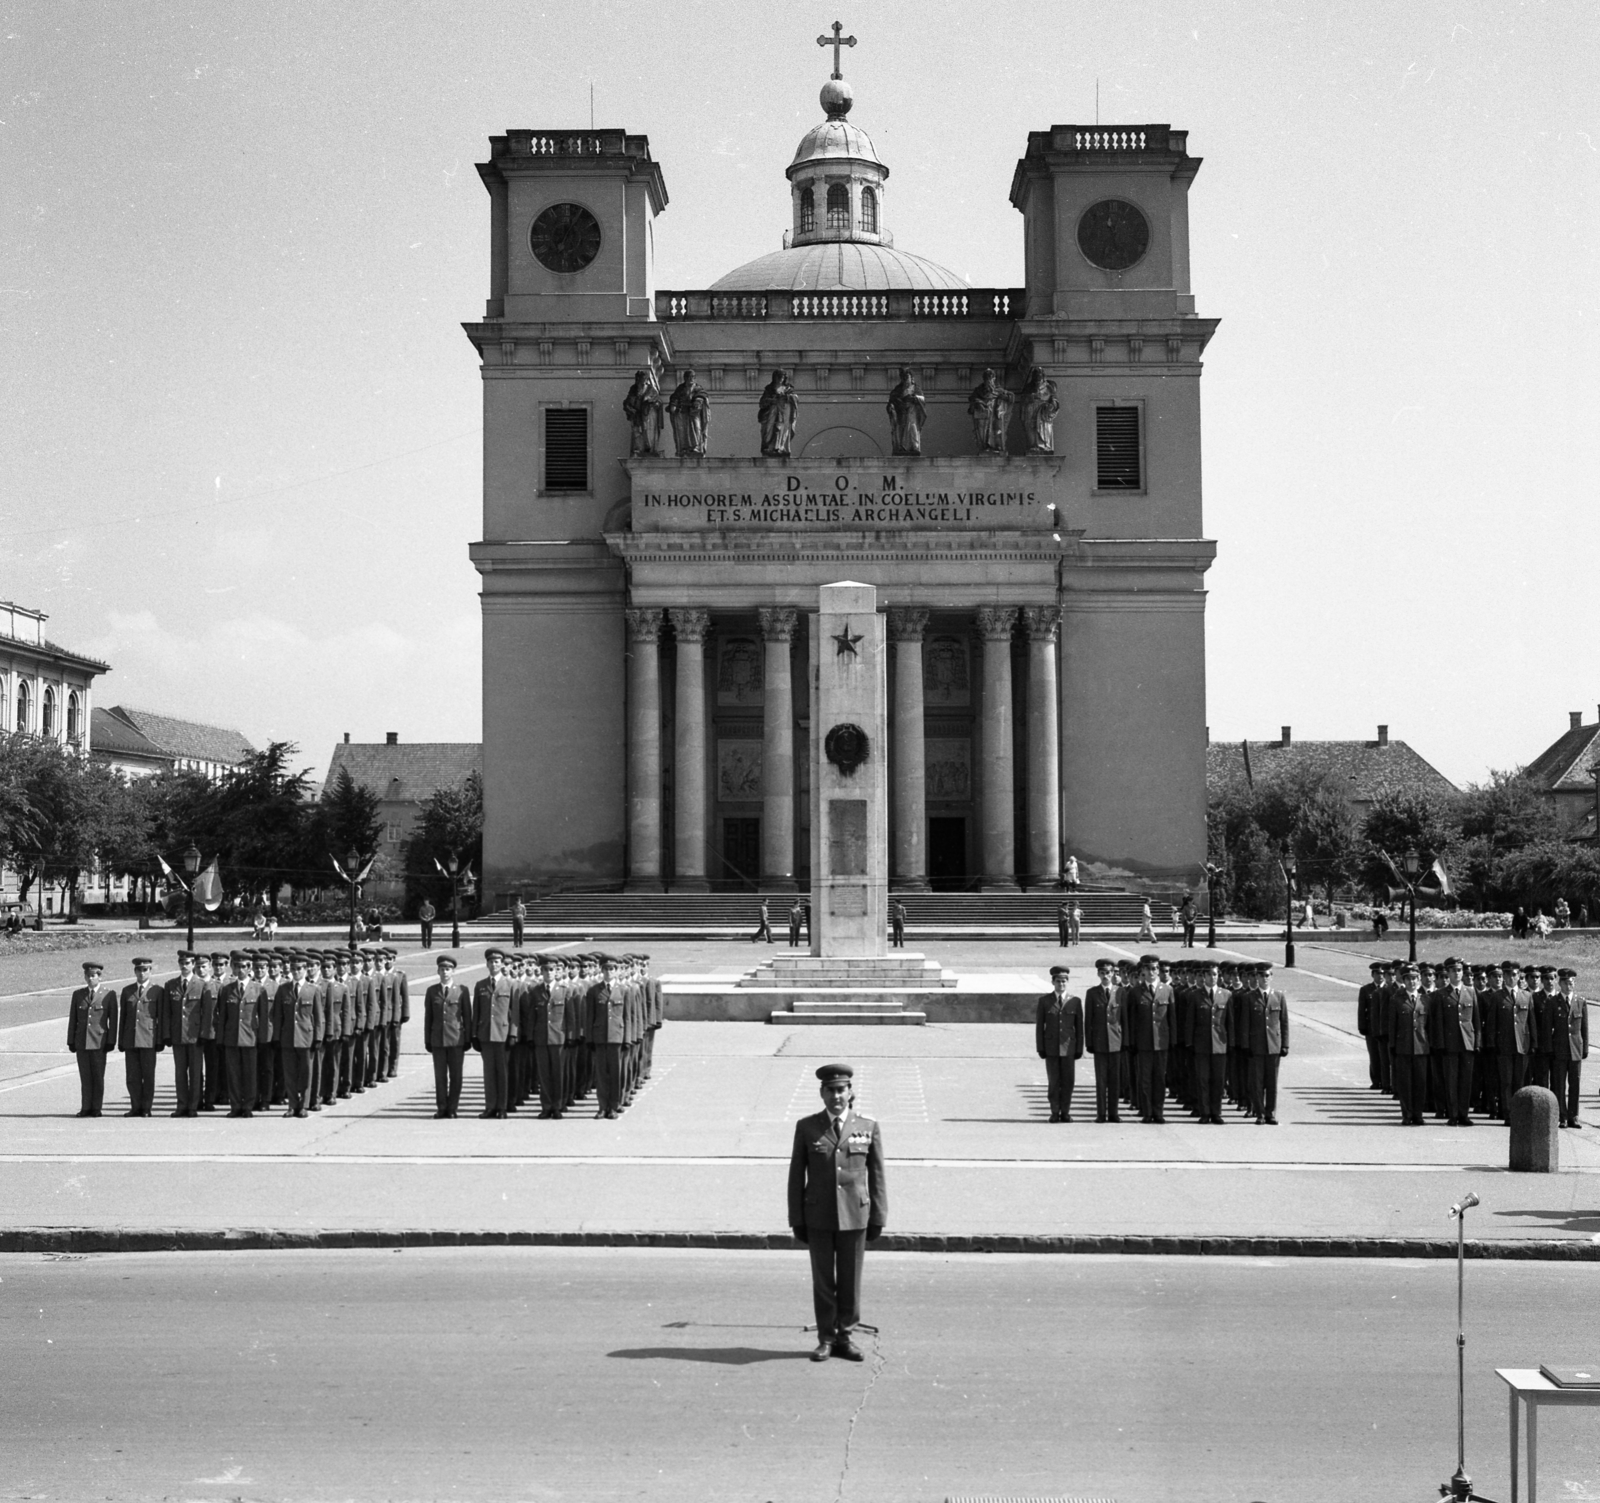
(1535, 1131)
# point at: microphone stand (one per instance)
(1459, 1488)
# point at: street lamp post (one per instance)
(1288, 913)
(191, 865)
(1413, 864)
(352, 861)
(1212, 873)
(452, 866)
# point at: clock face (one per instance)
(565, 237)
(1113, 234)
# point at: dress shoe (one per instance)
(95, 1112)
(1066, 1116)
(1575, 1124)
(822, 1352)
(1101, 1117)
(301, 1112)
(130, 1114)
(438, 1115)
(485, 1116)
(81, 1112)
(1272, 1121)
(848, 1350)
(1468, 1122)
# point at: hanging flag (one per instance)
(343, 876)
(208, 887)
(1437, 880)
(172, 876)
(366, 871)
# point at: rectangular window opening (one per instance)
(1116, 446)
(566, 448)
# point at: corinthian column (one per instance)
(777, 751)
(644, 751)
(999, 835)
(909, 864)
(689, 751)
(1044, 750)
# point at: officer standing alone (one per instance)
(838, 1202)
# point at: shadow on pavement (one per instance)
(1565, 1221)
(727, 1356)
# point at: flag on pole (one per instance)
(366, 871)
(208, 887)
(343, 876)
(171, 875)
(1437, 880)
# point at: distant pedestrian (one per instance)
(1070, 875)
(425, 916)
(1064, 925)
(796, 913)
(897, 921)
(1583, 915)
(1186, 915)
(763, 925)
(1075, 924)
(1147, 928)
(1380, 923)
(519, 917)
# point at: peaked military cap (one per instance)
(834, 1074)
(94, 965)
(1059, 970)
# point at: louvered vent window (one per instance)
(566, 448)
(1116, 447)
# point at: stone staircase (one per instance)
(890, 988)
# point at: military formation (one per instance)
(299, 1029)
(1454, 1041)
(1198, 1033)
(257, 1028)
(552, 1026)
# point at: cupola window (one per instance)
(808, 211)
(838, 207)
(869, 211)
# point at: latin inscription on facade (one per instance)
(809, 495)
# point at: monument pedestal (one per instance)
(849, 988)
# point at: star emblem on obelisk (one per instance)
(845, 642)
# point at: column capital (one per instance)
(691, 623)
(996, 621)
(1041, 622)
(644, 625)
(777, 622)
(907, 623)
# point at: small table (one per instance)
(1534, 1389)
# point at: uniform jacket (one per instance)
(658, 1011)
(296, 1015)
(338, 1009)
(1569, 1028)
(1150, 1017)
(1512, 1024)
(1408, 1024)
(242, 1006)
(1058, 1027)
(380, 994)
(1369, 1004)
(142, 1021)
(92, 1020)
(837, 1178)
(572, 994)
(402, 993)
(1544, 1008)
(1453, 1020)
(447, 1016)
(1266, 1023)
(190, 1010)
(606, 1021)
(545, 1014)
(494, 1015)
(1208, 1029)
(1104, 1019)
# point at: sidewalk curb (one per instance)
(81, 1240)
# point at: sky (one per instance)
(240, 456)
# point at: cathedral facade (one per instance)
(669, 475)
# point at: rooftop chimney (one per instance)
(1383, 735)
(391, 738)
(347, 738)
(1576, 717)
(1287, 738)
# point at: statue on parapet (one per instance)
(644, 411)
(907, 413)
(1039, 408)
(691, 417)
(990, 407)
(780, 407)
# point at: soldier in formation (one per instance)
(1454, 1040)
(1194, 1032)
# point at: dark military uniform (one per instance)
(189, 1006)
(838, 1199)
(494, 1028)
(241, 1005)
(446, 1033)
(607, 1034)
(1209, 1038)
(1569, 1047)
(91, 1036)
(1058, 1039)
(1266, 1021)
(1453, 1040)
(141, 1035)
(1408, 1039)
(1105, 1022)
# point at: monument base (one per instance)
(848, 988)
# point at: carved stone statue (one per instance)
(1039, 408)
(644, 409)
(691, 417)
(778, 410)
(990, 407)
(907, 413)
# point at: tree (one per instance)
(451, 823)
(262, 819)
(20, 816)
(1398, 822)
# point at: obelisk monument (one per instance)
(850, 785)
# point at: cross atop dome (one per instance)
(836, 95)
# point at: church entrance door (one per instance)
(947, 853)
(741, 851)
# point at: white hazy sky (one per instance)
(239, 446)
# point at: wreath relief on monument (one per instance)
(739, 671)
(944, 672)
(948, 771)
(738, 770)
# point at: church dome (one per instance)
(836, 141)
(840, 266)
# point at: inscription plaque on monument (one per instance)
(847, 837)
